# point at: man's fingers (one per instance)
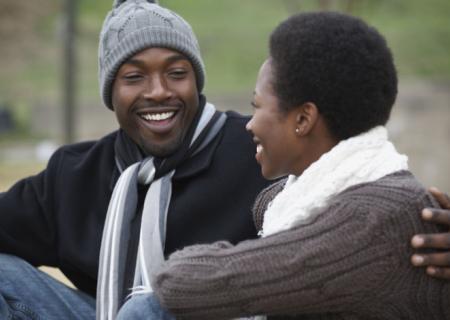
(434, 241)
(433, 259)
(437, 263)
(440, 216)
(441, 197)
(442, 273)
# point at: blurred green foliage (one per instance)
(233, 38)
(233, 34)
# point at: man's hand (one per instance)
(437, 264)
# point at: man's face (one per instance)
(155, 99)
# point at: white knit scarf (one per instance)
(363, 158)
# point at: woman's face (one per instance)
(273, 130)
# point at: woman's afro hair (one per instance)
(337, 62)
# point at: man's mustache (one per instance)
(156, 104)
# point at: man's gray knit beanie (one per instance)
(135, 25)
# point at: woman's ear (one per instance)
(306, 116)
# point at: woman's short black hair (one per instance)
(337, 62)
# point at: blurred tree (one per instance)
(70, 70)
(344, 5)
(18, 22)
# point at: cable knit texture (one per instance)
(352, 261)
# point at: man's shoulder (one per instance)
(84, 153)
(235, 119)
(84, 147)
(236, 116)
(234, 128)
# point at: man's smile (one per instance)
(159, 121)
(157, 116)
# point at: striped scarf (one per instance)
(157, 174)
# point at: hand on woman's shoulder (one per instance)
(437, 263)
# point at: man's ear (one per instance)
(306, 116)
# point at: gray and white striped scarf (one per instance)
(122, 209)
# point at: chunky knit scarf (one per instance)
(363, 158)
(157, 174)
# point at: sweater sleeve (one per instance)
(323, 267)
(27, 227)
(263, 200)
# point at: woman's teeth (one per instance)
(259, 148)
(158, 116)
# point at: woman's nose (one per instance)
(249, 124)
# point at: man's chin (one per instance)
(160, 151)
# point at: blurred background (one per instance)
(48, 71)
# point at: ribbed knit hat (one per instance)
(135, 25)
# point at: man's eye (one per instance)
(133, 77)
(178, 74)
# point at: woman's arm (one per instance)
(322, 267)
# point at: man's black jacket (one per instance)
(56, 218)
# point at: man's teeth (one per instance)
(259, 148)
(158, 116)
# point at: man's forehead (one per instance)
(160, 53)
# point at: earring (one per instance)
(297, 130)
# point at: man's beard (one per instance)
(162, 151)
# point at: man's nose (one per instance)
(156, 89)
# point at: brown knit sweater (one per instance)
(351, 262)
